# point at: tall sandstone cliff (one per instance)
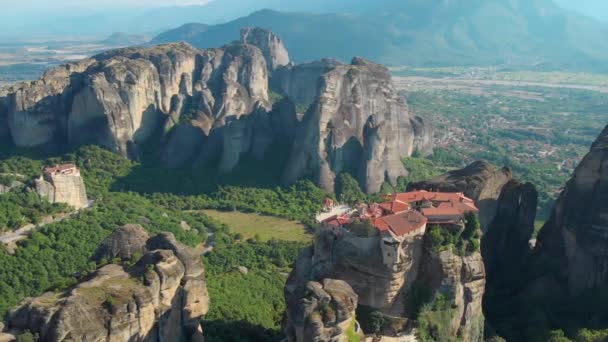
(211, 107)
(358, 262)
(161, 298)
(575, 238)
(357, 124)
(507, 213)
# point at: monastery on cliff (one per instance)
(404, 216)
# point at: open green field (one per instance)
(266, 227)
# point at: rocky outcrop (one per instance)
(125, 243)
(480, 181)
(357, 124)
(36, 111)
(209, 108)
(5, 133)
(300, 82)
(575, 238)
(123, 96)
(358, 262)
(508, 209)
(463, 280)
(67, 188)
(162, 297)
(321, 311)
(505, 245)
(272, 47)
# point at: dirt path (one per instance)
(9, 239)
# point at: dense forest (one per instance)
(245, 307)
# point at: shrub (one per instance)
(348, 189)
(363, 228)
(434, 321)
(436, 237)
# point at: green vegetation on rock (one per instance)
(460, 241)
(435, 320)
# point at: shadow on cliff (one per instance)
(223, 331)
(153, 176)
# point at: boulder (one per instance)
(162, 297)
(321, 311)
(124, 243)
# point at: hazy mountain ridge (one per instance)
(497, 32)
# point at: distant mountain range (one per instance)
(514, 33)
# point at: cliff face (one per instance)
(358, 262)
(321, 311)
(272, 47)
(59, 188)
(5, 133)
(36, 111)
(507, 215)
(505, 245)
(356, 124)
(462, 278)
(575, 239)
(299, 82)
(507, 212)
(162, 297)
(211, 107)
(119, 98)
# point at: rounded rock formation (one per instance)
(124, 243)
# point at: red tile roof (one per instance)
(396, 213)
(403, 223)
(59, 168)
(441, 212)
(380, 224)
(395, 206)
(462, 206)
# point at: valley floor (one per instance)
(538, 123)
(264, 227)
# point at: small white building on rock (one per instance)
(62, 184)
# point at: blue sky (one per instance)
(596, 8)
(95, 4)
